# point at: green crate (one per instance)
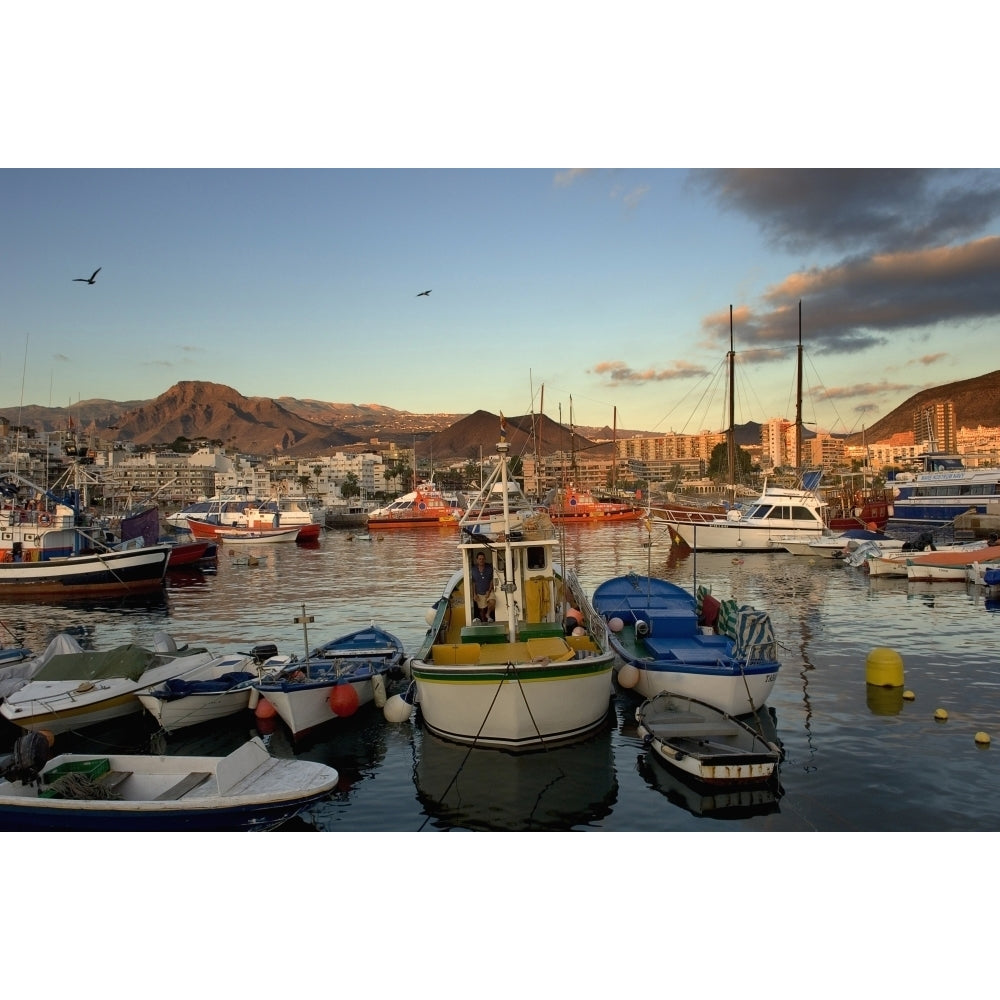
(91, 768)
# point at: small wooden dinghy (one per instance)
(703, 743)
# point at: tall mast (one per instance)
(731, 434)
(614, 454)
(798, 403)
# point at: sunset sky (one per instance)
(284, 273)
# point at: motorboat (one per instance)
(246, 790)
(78, 689)
(695, 646)
(221, 688)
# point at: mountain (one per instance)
(477, 434)
(206, 410)
(303, 427)
(976, 401)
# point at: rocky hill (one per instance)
(976, 401)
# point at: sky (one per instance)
(597, 294)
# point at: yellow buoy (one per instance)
(884, 700)
(983, 739)
(909, 696)
(940, 714)
(884, 668)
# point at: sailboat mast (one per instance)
(614, 453)
(798, 402)
(731, 435)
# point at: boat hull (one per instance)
(654, 631)
(305, 706)
(60, 706)
(119, 573)
(195, 709)
(248, 790)
(517, 706)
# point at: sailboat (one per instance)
(540, 673)
(779, 514)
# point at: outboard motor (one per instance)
(923, 541)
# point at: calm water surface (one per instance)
(857, 759)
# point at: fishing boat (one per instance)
(705, 744)
(949, 565)
(48, 550)
(426, 505)
(79, 689)
(540, 673)
(697, 647)
(942, 489)
(145, 525)
(246, 790)
(222, 687)
(573, 504)
(851, 506)
(335, 679)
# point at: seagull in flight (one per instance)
(89, 280)
(428, 292)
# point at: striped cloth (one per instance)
(754, 635)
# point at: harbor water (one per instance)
(857, 758)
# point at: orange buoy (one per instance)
(264, 710)
(266, 726)
(343, 700)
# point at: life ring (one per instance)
(734, 515)
(44, 519)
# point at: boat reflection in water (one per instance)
(712, 801)
(562, 788)
(707, 800)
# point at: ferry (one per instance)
(941, 490)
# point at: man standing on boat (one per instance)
(483, 593)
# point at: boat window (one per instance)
(802, 514)
(536, 556)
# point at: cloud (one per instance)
(566, 178)
(630, 198)
(618, 371)
(859, 302)
(858, 210)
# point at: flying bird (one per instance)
(89, 280)
(428, 292)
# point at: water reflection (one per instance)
(558, 789)
(704, 800)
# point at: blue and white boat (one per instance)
(943, 490)
(667, 640)
(335, 680)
